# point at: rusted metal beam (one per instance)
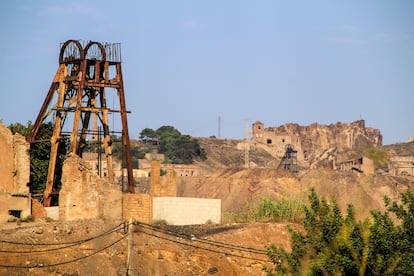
(61, 72)
(54, 146)
(125, 132)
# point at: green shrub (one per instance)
(287, 210)
(337, 245)
(378, 156)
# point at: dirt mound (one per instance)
(238, 187)
(96, 247)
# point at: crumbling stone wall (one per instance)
(15, 199)
(402, 166)
(362, 164)
(14, 162)
(162, 186)
(86, 195)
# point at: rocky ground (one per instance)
(96, 247)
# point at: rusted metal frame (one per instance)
(101, 84)
(54, 144)
(107, 143)
(92, 106)
(101, 49)
(85, 122)
(125, 134)
(40, 117)
(63, 49)
(77, 116)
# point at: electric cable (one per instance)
(204, 248)
(207, 241)
(69, 242)
(68, 245)
(215, 243)
(66, 262)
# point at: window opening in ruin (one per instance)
(283, 140)
(269, 141)
(15, 213)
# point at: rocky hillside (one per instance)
(225, 177)
(228, 153)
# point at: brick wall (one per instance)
(137, 206)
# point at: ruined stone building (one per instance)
(360, 165)
(15, 199)
(312, 141)
(401, 166)
(84, 194)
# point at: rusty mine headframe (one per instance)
(85, 74)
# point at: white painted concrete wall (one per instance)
(52, 212)
(186, 210)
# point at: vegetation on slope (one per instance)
(333, 244)
(378, 156)
(282, 210)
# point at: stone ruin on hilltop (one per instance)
(315, 142)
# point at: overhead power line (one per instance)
(65, 262)
(221, 245)
(65, 244)
(215, 243)
(116, 228)
(122, 226)
(204, 248)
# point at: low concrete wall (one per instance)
(186, 210)
(52, 212)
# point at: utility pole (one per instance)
(219, 128)
(130, 248)
(247, 146)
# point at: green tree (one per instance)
(334, 244)
(392, 246)
(178, 148)
(39, 153)
(148, 135)
(22, 129)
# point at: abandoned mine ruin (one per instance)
(154, 217)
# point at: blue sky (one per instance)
(185, 63)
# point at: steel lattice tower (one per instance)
(85, 74)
